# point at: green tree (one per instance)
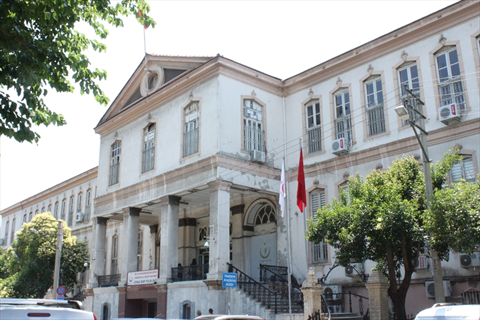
(31, 263)
(40, 49)
(384, 218)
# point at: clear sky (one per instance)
(280, 38)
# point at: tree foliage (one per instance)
(27, 268)
(383, 217)
(40, 49)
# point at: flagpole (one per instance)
(287, 215)
(304, 218)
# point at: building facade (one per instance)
(190, 156)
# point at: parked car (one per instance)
(39, 309)
(448, 311)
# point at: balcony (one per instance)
(190, 273)
(109, 281)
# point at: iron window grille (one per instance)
(450, 81)
(374, 107)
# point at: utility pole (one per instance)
(58, 252)
(436, 266)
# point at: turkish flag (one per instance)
(301, 191)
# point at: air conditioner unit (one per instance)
(79, 217)
(449, 114)
(430, 288)
(423, 263)
(257, 156)
(340, 146)
(333, 293)
(470, 261)
(350, 272)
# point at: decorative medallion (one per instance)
(339, 82)
(404, 55)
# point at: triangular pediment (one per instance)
(153, 73)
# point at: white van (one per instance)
(447, 311)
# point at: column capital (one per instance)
(171, 200)
(219, 185)
(132, 211)
(100, 220)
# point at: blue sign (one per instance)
(229, 280)
(60, 297)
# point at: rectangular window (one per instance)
(449, 79)
(375, 113)
(314, 130)
(62, 214)
(87, 206)
(319, 250)
(408, 76)
(139, 251)
(148, 155)
(70, 211)
(114, 265)
(116, 150)
(343, 121)
(253, 134)
(463, 170)
(191, 130)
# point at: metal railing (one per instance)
(257, 291)
(376, 120)
(254, 138)
(190, 273)
(361, 307)
(343, 128)
(451, 91)
(190, 142)
(276, 277)
(314, 140)
(471, 296)
(109, 281)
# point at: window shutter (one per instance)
(319, 251)
(469, 172)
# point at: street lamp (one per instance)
(58, 252)
(404, 114)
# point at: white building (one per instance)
(191, 150)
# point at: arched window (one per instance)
(264, 215)
(70, 210)
(6, 230)
(55, 213)
(25, 218)
(50, 208)
(30, 215)
(12, 231)
(106, 311)
(88, 205)
(64, 208)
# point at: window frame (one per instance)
(349, 119)
(55, 215)
(7, 227)
(263, 136)
(471, 157)
(12, 230)
(322, 247)
(88, 205)
(375, 116)
(71, 204)
(114, 255)
(316, 129)
(140, 251)
(149, 147)
(63, 209)
(115, 157)
(186, 129)
(445, 47)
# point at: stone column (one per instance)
(219, 229)
(238, 251)
(377, 287)
(312, 295)
(153, 251)
(169, 237)
(99, 256)
(130, 220)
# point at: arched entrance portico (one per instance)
(261, 215)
